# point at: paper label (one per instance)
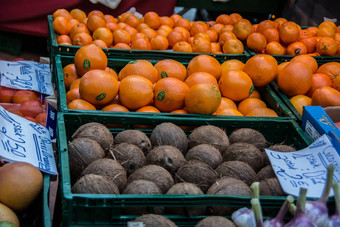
(25, 141)
(26, 75)
(306, 168)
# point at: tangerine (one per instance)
(204, 63)
(80, 104)
(171, 68)
(139, 67)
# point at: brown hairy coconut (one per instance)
(185, 189)
(198, 173)
(248, 135)
(169, 157)
(142, 187)
(271, 187)
(128, 155)
(81, 153)
(266, 172)
(110, 169)
(94, 184)
(97, 132)
(227, 186)
(169, 134)
(244, 152)
(276, 147)
(154, 220)
(238, 170)
(209, 134)
(135, 137)
(157, 174)
(205, 153)
(215, 221)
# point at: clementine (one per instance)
(89, 57)
(171, 68)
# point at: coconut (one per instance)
(205, 153)
(94, 184)
(227, 186)
(97, 132)
(209, 134)
(81, 153)
(185, 189)
(109, 168)
(276, 147)
(142, 187)
(168, 157)
(157, 174)
(238, 170)
(135, 137)
(128, 155)
(169, 134)
(265, 173)
(271, 187)
(248, 135)
(215, 221)
(198, 173)
(154, 220)
(244, 152)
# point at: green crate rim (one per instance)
(63, 106)
(47, 221)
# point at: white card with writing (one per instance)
(26, 75)
(306, 168)
(25, 141)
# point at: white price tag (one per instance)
(26, 75)
(306, 168)
(25, 141)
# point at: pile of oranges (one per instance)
(25, 103)
(203, 87)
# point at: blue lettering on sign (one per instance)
(310, 157)
(317, 144)
(15, 148)
(298, 184)
(7, 117)
(18, 140)
(41, 74)
(26, 84)
(288, 162)
(316, 177)
(38, 128)
(282, 172)
(42, 152)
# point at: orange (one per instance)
(289, 32)
(242, 29)
(89, 57)
(175, 37)
(227, 28)
(163, 32)
(103, 34)
(256, 41)
(336, 83)
(112, 26)
(15, 111)
(326, 96)
(202, 35)
(112, 72)
(299, 101)
(75, 84)
(224, 19)
(329, 24)
(296, 48)
(233, 46)
(121, 46)
(201, 77)
(236, 85)
(182, 46)
(135, 92)
(295, 79)
(232, 64)
(331, 69)
(72, 95)
(141, 44)
(228, 112)
(204, 63)
(98, 87)
(62, 13)
(262, 112)
(200, 45)
(142, 26)
(82, 39)
(139, 35)
(132, 31)
(148, 109)
(121, 36)
(6, 94)
(123, 16)
(182, 22)
(235, 17)
(203, 98)
(171, 68)
(198, 27)
(184, 31)
(213, 35)
(325, 32)
(310, 44)
(215, 48)
(313, 30)
(175, 17)
(149, 33)
(248, 104)
(70, 75)
(304, 34)
(94, 22)
(110, 19)
(217, 28)
(80, 104)
(261, 68)
(152, 19)
(41, 119)
(115, 107)
(96, 12)
(100, 43)
(275, 48)
(78, 28)
(61, 25)
(280, 20)
(159, 43)
(326, 46)
(169, 94)
(139, 67)
(309, 60)
(167, 21)
(62, 39)
(132, 20)
(24, 95)
(255, 94)
(73, 22)
(271, 34)
(265, 24)
(282, 65)
(30, 108)
(181, 111)
(225, 36)
(318, 80)
(227, 103)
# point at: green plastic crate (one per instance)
(269, 96)
(68, 50)
(47, 221)
(92, 209)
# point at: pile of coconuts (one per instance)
(207, 161)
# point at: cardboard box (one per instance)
(317, 121)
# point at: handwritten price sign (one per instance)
(27, 75)
(306, 168)
(25, 141)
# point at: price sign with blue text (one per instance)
(24, 141)
(306, 168)
(26, 75)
